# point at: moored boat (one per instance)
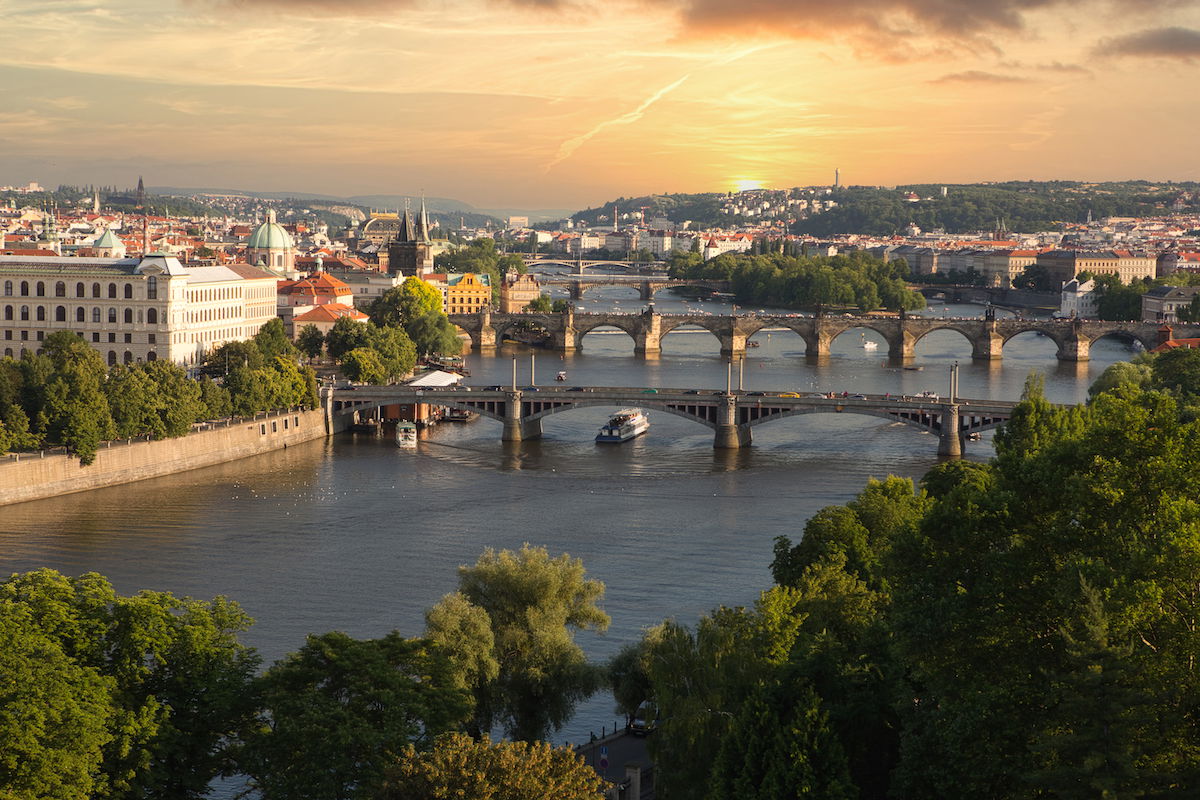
(406, 435)
(623, 426)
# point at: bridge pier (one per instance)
(950, 440)
(576, 291)
(733, 345)
(645, 291)
(515, 428)
(565, 340)
(648, 340)
(1077, 348)
(730, 435)
(987, 347)
(902, 347)
(818, 345)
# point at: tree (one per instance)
(311, 342)
(396, 351)
(401, 304)
(363, 365)
(1177, 370)
(434, 334)
(338, 710)
(1122, 373)
(215, 399)
(75, 412)
(533, 603)
(459, 766)
(272, 341)
(541, 304)
(346, 335)
(560, 306)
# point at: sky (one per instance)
(569, 103)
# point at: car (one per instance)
(650, 391)
(789, 394)
(858, 397)
(576, 389)
(756, 394)
(644, 719)
(692, 391)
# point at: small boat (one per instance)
(406, 436)
(914, 368)
(560, 377)
(460, 415)
(623, 426)
(753, 344)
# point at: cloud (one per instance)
(979, 76)
(1175, 43)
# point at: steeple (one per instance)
(423, 223)
(141, 193)
(408, 231)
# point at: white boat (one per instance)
(561, 376)
(623, 426)
(406, 436)
(868, 344)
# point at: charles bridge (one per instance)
(730, 414)
(987, 336)
(576, 285)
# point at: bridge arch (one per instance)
(584, 402)
(624, 326)
(1127, 337)
(1054, 335)
(846, 409)
(545, 322)
(697, 323)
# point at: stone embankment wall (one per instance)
(33, 476)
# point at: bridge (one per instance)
(731, 415)
(577, 284)
(580, 264)
(1073, 337)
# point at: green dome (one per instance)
(270, 236)
(108, 240)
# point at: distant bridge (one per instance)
(730, 415)
(1073, 337)
(578, 284)
(579, 265)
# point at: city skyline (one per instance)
(538, 103)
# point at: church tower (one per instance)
(271, 246)
(411, 252)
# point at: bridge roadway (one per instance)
(578, 284)
(581, 264)
(1073, 337)
(732, 415)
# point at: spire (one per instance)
(423, 223)
(141, 193)
(407, 232)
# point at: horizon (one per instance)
(555, 104)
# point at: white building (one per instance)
(1079, 299)
(132, 309)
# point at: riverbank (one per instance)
(35, 476)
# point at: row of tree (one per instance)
(1024, 628)
(855, 280)
(482, 258)
(153, 696)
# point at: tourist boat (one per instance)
(460, 415)
(753, 344)
(868, 344)
(406, 435)
(623, 426)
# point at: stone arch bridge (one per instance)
(579, 265)
(646, 287)
(1073, 337)
(732, 416)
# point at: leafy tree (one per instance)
(272, 341)
(175, 675)
(396, 351)
(14, 421)
(434, 334)
(346, 335)
(224, 359)
(560, 306)
(311, 342)
(1177, 370)
(339, 708)
(533, 603)
(215, 399)
(75, 412)
(401, 304)
(1191, 313)
(541, 304)
(459, 766)
(1036, 278)
(629, 679)
(1122, 373)
(363, 365)
(132, 401)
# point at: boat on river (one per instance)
(868, 344)
(406, 436)
(623, 426)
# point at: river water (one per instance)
(355, 535)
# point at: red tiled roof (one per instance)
(330, 312)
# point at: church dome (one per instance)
(270, 235)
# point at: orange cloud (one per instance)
(1182, 44)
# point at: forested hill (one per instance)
(1020, 206)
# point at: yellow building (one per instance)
(466, 294)
(517, 292)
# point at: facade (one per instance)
(1002, 267)
(518, 291)
(1079, 299)
(366, 285)
(1162, 303)
(322, 317)
(131, 309)
(467, 293)
(411, 251)
(1063, 265)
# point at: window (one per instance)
(152, 316)
(41, 335)
(129, 316)
(8, 312)
(112, 358)
(95, 290)
(129, 338)
(81, 314)
(152, 339)
(8, 352)
(112, 290)
(151, 356)
(152, 287)
(112, 337)
(80, 290)
(129, 291)
(8, 335)
(128, 357)
(24, 336)
(41, 313)
(112, 316)
(24, 313)
(60, 289)
(24, 288)
(8, 288)
(60, 314)
(96, 338)
(41, 289)
(96, 315)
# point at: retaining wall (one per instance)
(33, 477)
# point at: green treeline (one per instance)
(152, 696)
(66, 396)
(855, 280)
(1024, 628)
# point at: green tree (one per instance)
(401, 304)
(396, 351)
(434, 334)
(272, 341)
(1122, 373)
(311, 341)
(75, 412)
(346, 335)
(132, 401)
(534, 603)
(228, 356)
(338, 710)
(215, 399)
(459, 766)
(560, 306)
(541, 304)
(1177, 370)
(363, 365)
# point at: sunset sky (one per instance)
(567, 103)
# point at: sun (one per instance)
(745, 184)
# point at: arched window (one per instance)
(60, 289)
(80, 290)
(112, 358)
(8, 352)
(8, 312)
(112, 316)
(41, 289)
(129, 291)
(112, 290)
(128, 357)
(96, 315)
(60, 314)
(81, 314)
(152, 356)
(24, 313)
(95, 290)
(129, 316)
(41, 313)
(152, 316)
(24, 288)
(8, 288)
(152, 287)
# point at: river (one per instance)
(356, 535)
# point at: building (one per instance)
(1162, 303)
(1002, 267)
(1079, 299)
(411, 251)
(323, 318)
(518, 291)
(271, 246)
(1063, 265)
(467, 293)
(320, 291)
(132, 309)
